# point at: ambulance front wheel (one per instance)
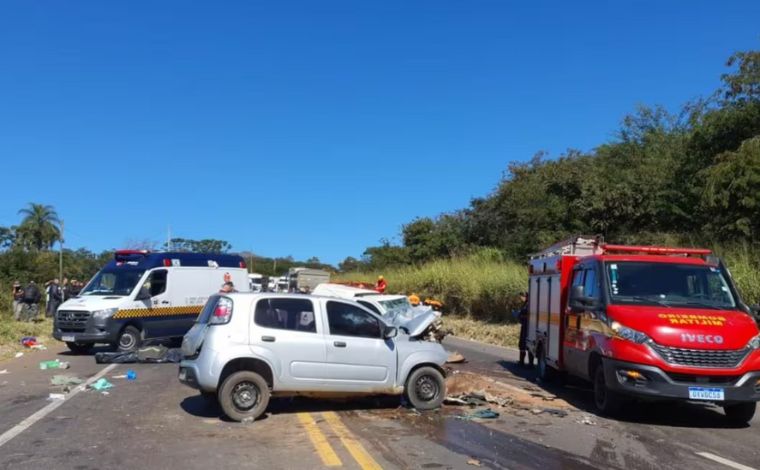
(129, 339)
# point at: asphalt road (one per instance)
(155, 422)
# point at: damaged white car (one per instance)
(247, 347)
(395, 310)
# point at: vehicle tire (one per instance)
(425, 388)
(79, 348)
(244, 395)
(543, 370)
(129, 339)
(607, 402)
(740, 413)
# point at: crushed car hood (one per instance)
(418, 324)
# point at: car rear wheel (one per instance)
(244, 395)
(607, 401)
(740, 413)
(129, 339)
(425, 388)
(79, 348)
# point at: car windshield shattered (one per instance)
(116, 282)
(680, 285)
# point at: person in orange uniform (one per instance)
(381, 285)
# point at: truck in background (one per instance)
(142, 295)
(644, 322)
(306, 279)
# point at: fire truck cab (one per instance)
(644, 322)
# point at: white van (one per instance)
(142, 295)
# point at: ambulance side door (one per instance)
(157, 320)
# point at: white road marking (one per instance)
(726, 462)
(25, 424)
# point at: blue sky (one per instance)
(318, 128)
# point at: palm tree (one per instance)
(41, 226)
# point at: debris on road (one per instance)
(474, 462)
(149, 355)
(56, 396)
(54, 364)
(487, 413)
(4, 371)
(18, 354)
(455, 358)
(101, 384)
(587, 420)
(64, 380)
(549, 411)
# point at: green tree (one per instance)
(40, 227)
(349, 264)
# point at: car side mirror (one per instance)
(576, 301)
(755, 311)
(143, 294)
(390, 332)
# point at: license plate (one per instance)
(68, 339)
(709, 394)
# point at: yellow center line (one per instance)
(319, 441)
(362, 457)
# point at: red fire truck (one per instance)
(644, 322)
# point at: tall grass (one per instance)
(484, 285)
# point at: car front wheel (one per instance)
(740, 413)
(425, 388)
(244, 395)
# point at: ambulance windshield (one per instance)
(681, 285)
(119, 281)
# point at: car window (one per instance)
(589, 284)
(286, 314)
(157, 282)
(364, 303)
(578, 277)
(350, 320)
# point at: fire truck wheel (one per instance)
(607, 402)
(740, 413)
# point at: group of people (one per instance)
(27, 299)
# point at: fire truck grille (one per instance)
(71, 320)
(701, 357)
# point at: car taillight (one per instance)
(222, 312)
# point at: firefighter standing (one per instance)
(381, 285)
(522, 316)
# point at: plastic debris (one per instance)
(455, 358)
(56, 396)
(28, 341)
(18, 354)
(487, 413)
(131, 375)
(587, 420)
(474, 462)
(54, 364)
(101, 384)
(63, 380)
(40, 347)
(4, 371)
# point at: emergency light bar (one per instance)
(655, 250)
(129, 255)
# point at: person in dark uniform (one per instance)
(522, 316)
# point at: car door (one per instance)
(288, 331)
(156, 318)
(359, 359)
(582, 324)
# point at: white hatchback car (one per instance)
(245, 348)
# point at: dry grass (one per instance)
(12, 331)
(499, 334)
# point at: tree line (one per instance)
(686, 177)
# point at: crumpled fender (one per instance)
(421, 357)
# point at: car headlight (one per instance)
(629, 334)
(104, 314)
(754, 343)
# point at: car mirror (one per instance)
(576, 301)
(143, 294)
(390, 332)
(755, 311)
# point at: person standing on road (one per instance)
(32, 298)
(54, 299)
(65, 290)
(522, 316)
(18, 300)
(381, 285)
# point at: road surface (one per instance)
(155, 422)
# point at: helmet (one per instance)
(380, 278)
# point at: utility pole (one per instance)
(60, 255)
